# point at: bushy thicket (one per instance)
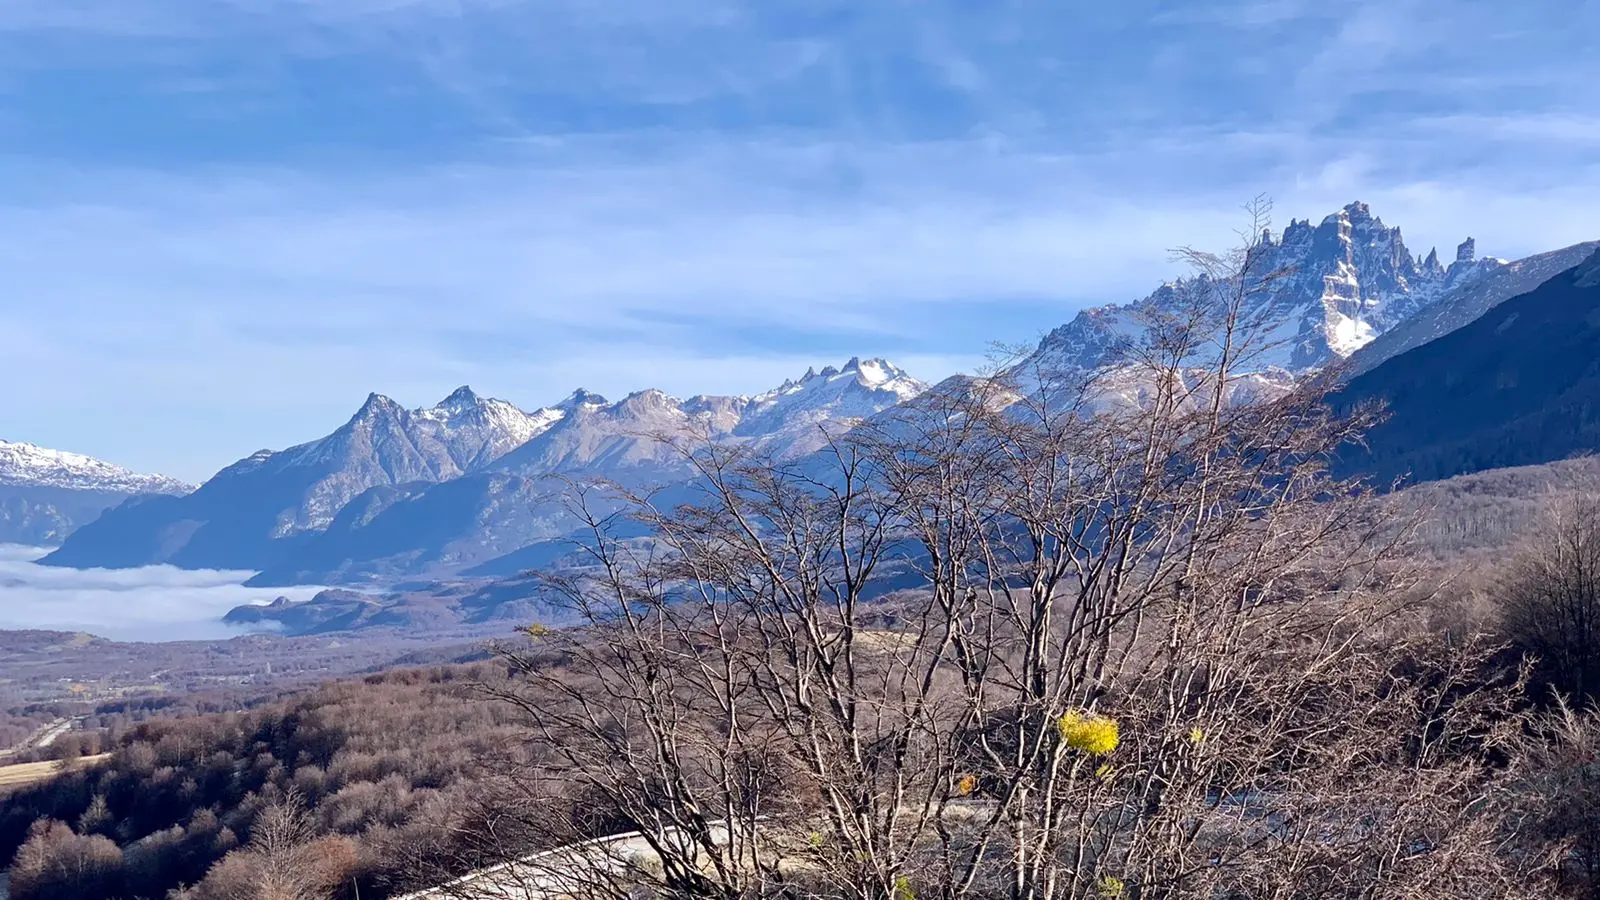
(387, 765)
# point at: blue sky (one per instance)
(223, 222)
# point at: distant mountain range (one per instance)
(47, 494)
(397, 491)
(475, 487)
(502, 520)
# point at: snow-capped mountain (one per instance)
(795, 418)
(467, 479)
(46, 494)
(1345, 281)
(632, 438)
(386, 444)
(474, 431)
(638, 442)
(249, 512)
(477, 485)
(29, 465)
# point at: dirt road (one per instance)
(561, 872)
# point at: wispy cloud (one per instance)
(232, 220)
(154, 603)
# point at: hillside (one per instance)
(1518, 386)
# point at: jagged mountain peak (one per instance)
(581, 398)
(1356, 213)
(249, 511)
(461, 398)
(798, 414)
(376, 406)
(1348, 280)
(877, 372)
(650, 401)
(871, 373)
(614, 439)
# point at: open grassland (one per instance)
(28, 773)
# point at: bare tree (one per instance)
(1550, 595)
(1039, 634)
(285, 859)
(57, 864)
(1561, 794)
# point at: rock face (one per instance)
(1520, 385)
(261, 506)
(1343, 282)
(45, 495)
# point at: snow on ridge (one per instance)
(789, 420)
(1348, 280)
(26, 464)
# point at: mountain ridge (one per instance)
(1519, 385)
(46, 495)
(25, 464)
(638, 442)
(247, 513)
(382, 463)
(1339, 284)
(471, 484)
(1471, 302)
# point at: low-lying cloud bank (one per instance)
(152, 603)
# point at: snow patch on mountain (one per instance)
(1337, 286)
(384, 443)
(647, 431)
(29, 465)
(799, 416)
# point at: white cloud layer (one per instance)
(153, 603)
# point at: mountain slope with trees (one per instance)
(1518, 386)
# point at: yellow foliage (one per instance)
(1197, 735)
(1111, 888)
(966, 784)
(1088, 732)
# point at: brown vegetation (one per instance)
(381, 769)
(1550, 597)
